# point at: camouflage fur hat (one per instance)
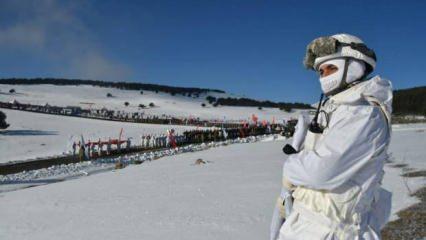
(337, 46)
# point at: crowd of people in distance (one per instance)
(94, 149)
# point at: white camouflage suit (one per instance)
(337, 177)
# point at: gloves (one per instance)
(298, 136)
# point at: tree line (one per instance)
(409, 101)
(247, 102)
(120, 85)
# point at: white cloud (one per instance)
(53, 31)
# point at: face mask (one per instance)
(355, 71)
(332, 81)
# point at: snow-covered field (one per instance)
(230, 197)
(34, 135)
(95, 97)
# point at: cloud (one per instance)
(53, 30)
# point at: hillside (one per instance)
(94, 97)
(172, 90)
(32, 135)
(410, 101)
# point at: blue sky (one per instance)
(251, 48)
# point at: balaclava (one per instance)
(355, 71)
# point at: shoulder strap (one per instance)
(375, 102)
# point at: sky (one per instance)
(250, 48)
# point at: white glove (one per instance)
(300, 132)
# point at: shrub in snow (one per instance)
(199, 162)
(142, 106)
(119, 165)
(151, 104)
(203, 104)
(260, 108)
(126, 104)
(141, 92)
(285, 109)
(211, 99)
(12, 90)
(3, 123)
(109, 95)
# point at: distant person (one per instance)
(128, 142)
(335, 168)
(109, 146)
(147, 140)
(172, 139)
(225, 133)
(88, 149)
(81, 153)
(74, 148)
(92, 150)
(100, 146)
(118, 145)
(143, 141)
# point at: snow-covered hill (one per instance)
(231, 197)
(96, 97)
(33, 135)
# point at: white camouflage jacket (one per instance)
(338, 173)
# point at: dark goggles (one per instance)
(324, 46)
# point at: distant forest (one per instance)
(410, 101)
(119, 85)
(247, 102)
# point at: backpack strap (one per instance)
(375, 102)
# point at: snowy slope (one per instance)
(34, 135)
(231, 197)
(95, 97)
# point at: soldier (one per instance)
(109, 146)
(335, 165)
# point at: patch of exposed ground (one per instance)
(412, 220)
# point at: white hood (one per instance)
(376, 87)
